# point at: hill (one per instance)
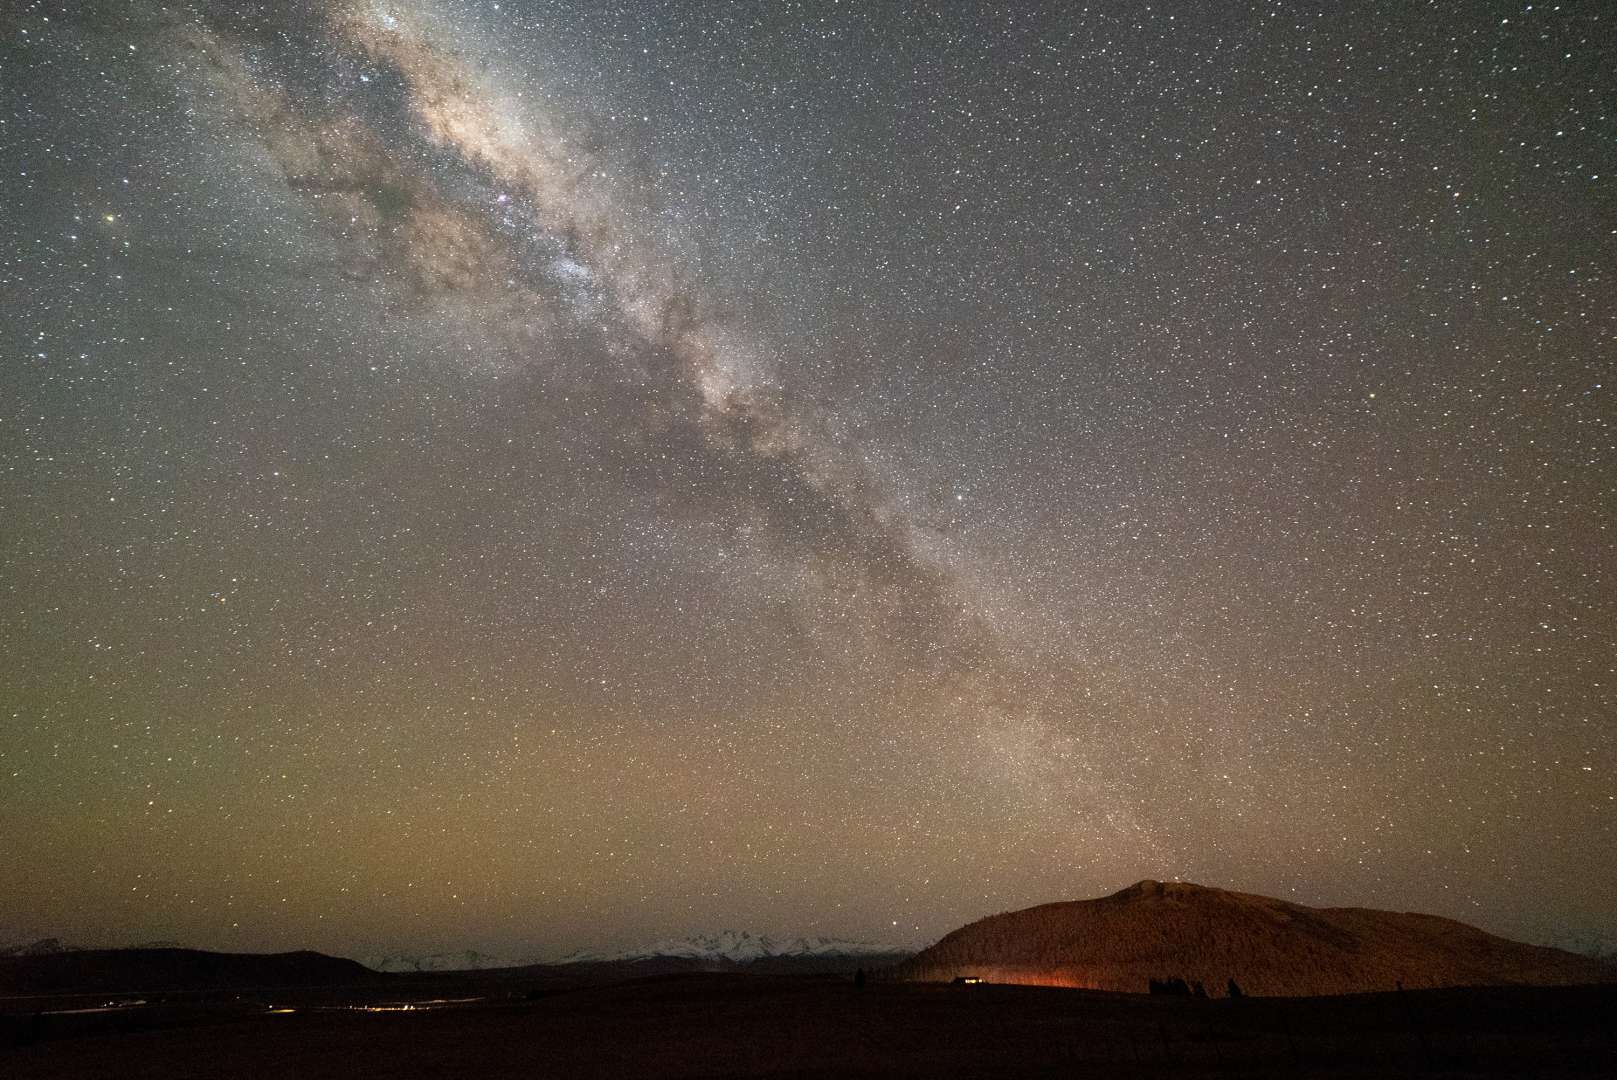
(120, 970)
(1161, 930)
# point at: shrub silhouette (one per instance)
(1170, 987)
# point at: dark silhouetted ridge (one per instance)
(119, 970)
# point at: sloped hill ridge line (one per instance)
(1162, 930)
(116, 970)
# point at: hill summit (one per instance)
(1157, 930)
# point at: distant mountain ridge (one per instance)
(1165, 930)
(42, 947)
(465, 960)
(1585, 943)
(736, 947)
(726, 947)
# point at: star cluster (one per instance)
(538, 474)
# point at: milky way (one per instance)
(533, 475)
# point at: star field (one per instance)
(543, 474)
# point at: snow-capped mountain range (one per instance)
(726, 946)
(1586, 943)
(50, 946)
(468, 960)
(39, 947)
(736, 947)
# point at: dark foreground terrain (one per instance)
(768, 1025)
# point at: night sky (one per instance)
(534, 475)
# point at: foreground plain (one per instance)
(694, 1025)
